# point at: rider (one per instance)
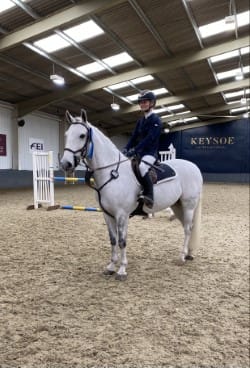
(144, 142)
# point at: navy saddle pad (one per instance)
(164, 171)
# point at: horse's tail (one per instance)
(195, 232)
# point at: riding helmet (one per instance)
(147, 96)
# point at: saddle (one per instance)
(158, 172)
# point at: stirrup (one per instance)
(148, 201)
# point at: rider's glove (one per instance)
(125, 151)
(131, 153)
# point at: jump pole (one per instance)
(69, 180)
(81, 208)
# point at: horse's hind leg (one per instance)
(185, 211)
(189, 223)
(111, 267)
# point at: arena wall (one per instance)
(221, 151)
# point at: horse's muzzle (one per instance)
(67, 166)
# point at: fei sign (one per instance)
(36, 144)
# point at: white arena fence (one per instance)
(168, 155)
(43, 177)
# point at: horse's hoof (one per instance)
(180, 262)
(108, 273)
(189, 258)
(120, 277)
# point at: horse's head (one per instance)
(77, 141)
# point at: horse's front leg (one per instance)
(122, 227)
(111, 267)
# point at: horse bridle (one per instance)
(83, 151)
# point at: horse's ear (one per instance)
(84, 115)
(69, 117)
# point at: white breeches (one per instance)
(145, 167)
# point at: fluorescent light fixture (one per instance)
(52, 43)
(189, 120)
(239, 75)
(160, 110)
(217, 27)
(176, 107)
(115, 106)
(139, 80)
(237, 93)
(35, 49)
(119, 59)
(232, 72)
(230, 54)
(183, 121)
(145, 78)
(5, 5)
(230, 22)
(239, 109)
(8, 4)
(116, 86)
(174, 122)
(84, 31)
(57, 79)
(160, 91)
(111, 61)
(183, 112)
(78, 33)
(243, 100)
(91, 68)
(167, 116)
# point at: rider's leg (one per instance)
(148, 195)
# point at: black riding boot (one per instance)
(148, 195)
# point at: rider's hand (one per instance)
(131, 152)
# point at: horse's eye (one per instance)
(82, 136)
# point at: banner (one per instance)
(217, 148)
(3, 150)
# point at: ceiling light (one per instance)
(239, 75)
(57, 79)
(230, 22)
(217, 27)
(115, 106)
(243, 100)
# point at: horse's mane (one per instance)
(103, 137)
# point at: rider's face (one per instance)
(145, 105)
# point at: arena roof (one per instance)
(107, 51)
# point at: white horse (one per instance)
(118, 189)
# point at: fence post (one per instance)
(43, 180)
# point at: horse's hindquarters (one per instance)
(166, 194)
